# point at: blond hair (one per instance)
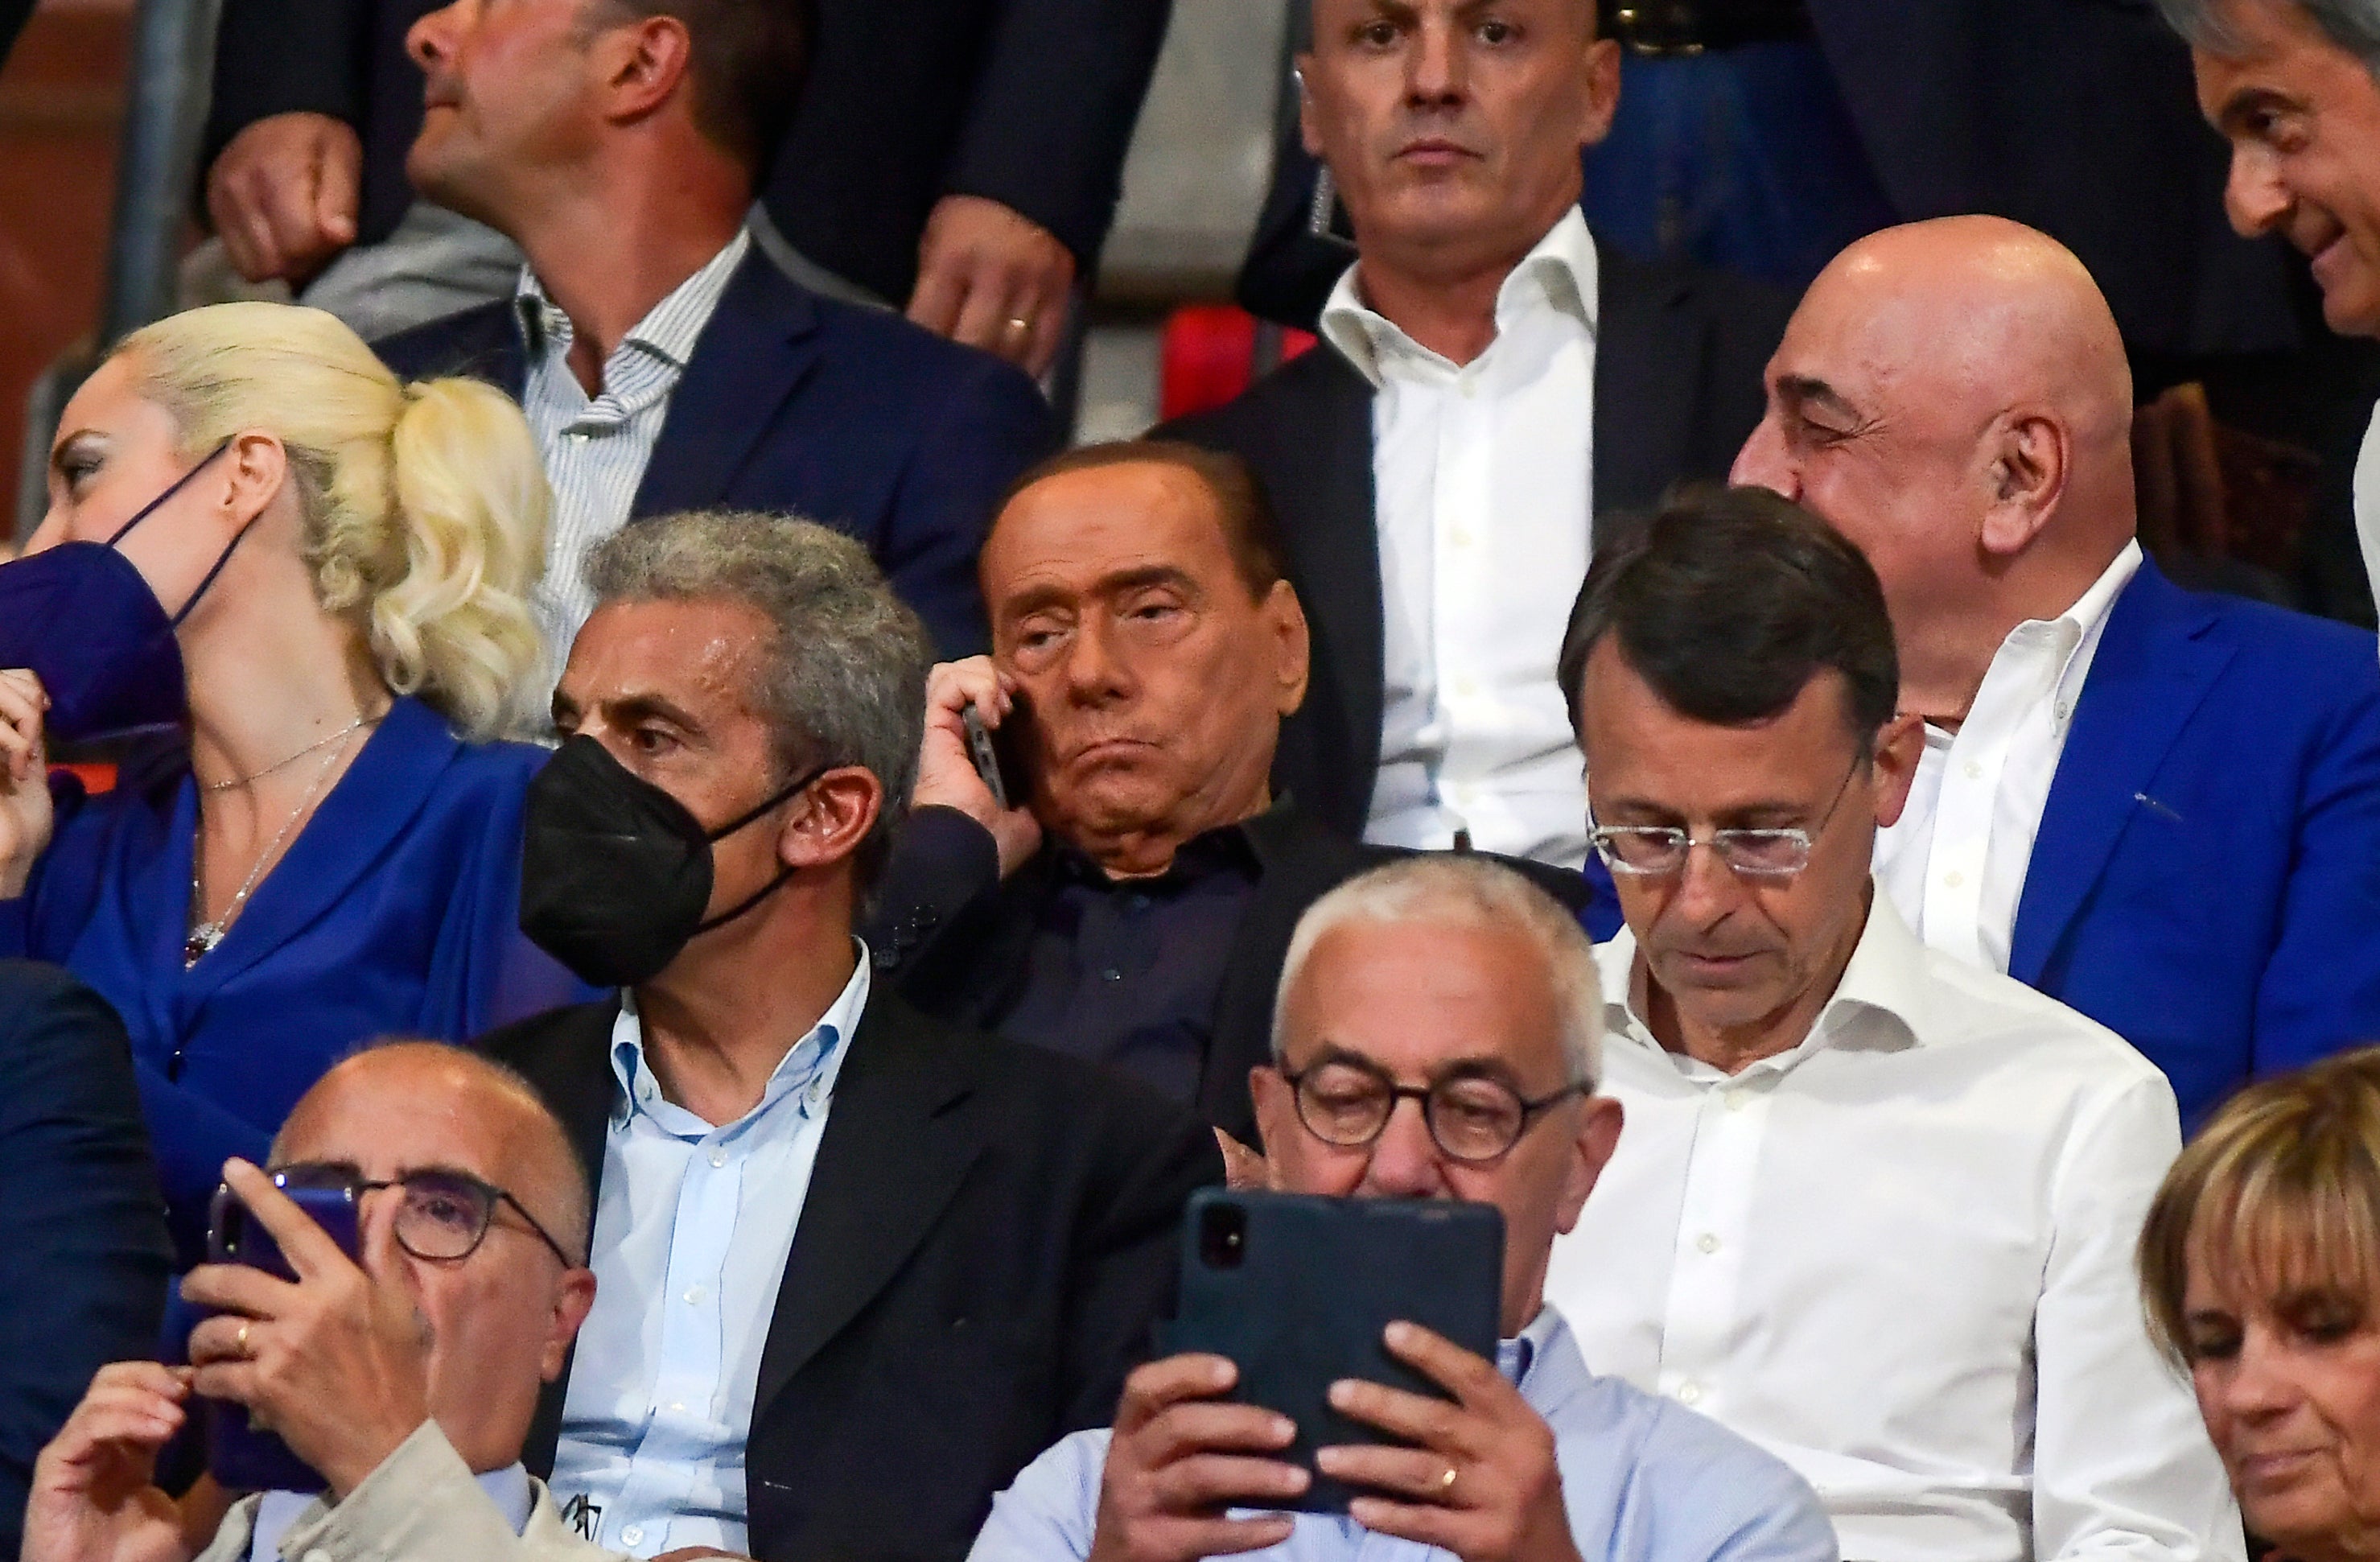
(424, 506)
(2278, 1194)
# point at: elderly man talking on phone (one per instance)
(407, 1378)
(1452, 983)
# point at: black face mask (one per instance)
(615, 873)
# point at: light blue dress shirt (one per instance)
(1645, 1479)
(692, 1230)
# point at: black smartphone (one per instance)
(1296, 1291)
(986, 758)
(239, 1455)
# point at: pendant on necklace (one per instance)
(203, 941)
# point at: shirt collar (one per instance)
(1562, 273)
(1516, 1357)
(1885, 979)
(669, 329)
(806, 1074)
(2077, 631)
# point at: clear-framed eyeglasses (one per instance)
(1659, 851)
(1473, 1117)
(444, 1217)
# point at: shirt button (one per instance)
(1975, 771)
(695, 1296)
(1111, 975)
(1953, 880)
(1470, 388)
(718, 1156)
(1688, 1394)
(632, 1535)
(1737, 1099)
(677, 1407)
(1459, 537)
(1707, 1242)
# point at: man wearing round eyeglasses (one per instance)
(1451, 983)
(408, 1376)
(1874, 1205)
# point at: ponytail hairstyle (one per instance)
(424, 506)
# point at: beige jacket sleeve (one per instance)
(421, 1505)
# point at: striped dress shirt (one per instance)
(596, 449)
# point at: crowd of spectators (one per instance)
(642, 773)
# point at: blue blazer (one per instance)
(794, 403)
(395, 911)
(83, 1232)
(2206, 881)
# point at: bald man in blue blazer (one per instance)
(2161, 808)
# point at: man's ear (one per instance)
(2028, 456)
(1599, 1135)
(1276, 1108)
(574, 1299)
(843, 806)
(1308, 135)
(1899, 744)
(644, 62)
(1602, 91)
(1294, 641)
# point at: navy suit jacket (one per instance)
(82, 1230)
(846, 416)
(2206, 881)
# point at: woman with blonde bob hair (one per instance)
(2260, 1268)
(303, 585)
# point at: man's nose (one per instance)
(2254, 195)
(1406, 1158)
(430, 41)
(1708, 888)
(1763, 462)
(1437, 67)
(1095, 674)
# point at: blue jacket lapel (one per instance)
(372, 805)
(2153, 670)
(761, 345)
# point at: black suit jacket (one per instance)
(1679, 357)
(1030, 102)
(847, 416)
(83, 1250)
(12, 21)
(957, 948)
(990, 1231)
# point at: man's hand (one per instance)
(337, 1364)
(1177, 1461)
(946, 773)
(94, 1495)
(1504, 1500)
(285, 195)
(26, 818)
(981, 269)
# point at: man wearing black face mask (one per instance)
(854, 1268)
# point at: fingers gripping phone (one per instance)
(1297, 1290)
(241, 1457)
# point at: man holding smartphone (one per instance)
(1451, 983)
(407, 1376)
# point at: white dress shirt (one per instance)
(2367, 500)
(693, 1225)
(1955, 862)
(1483, 475)
(1899, 1257)
(595, 449)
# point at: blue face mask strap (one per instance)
(221, 559)
(179, 483)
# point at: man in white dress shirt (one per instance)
(1491, 381)
(2160, 808)
(1874, 1207)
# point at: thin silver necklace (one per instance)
(281, 765)
(205, 935)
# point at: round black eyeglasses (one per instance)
(1474, 1119)
(445, 1215)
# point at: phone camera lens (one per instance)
(1222, 1236)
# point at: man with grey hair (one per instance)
(2291, 84)
(1455, 984)
(857, 1266)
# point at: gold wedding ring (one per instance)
(1020, 325)
(239, 1343)
(1446, 1482)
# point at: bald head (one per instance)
(1954, 398)
(425, 1093)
